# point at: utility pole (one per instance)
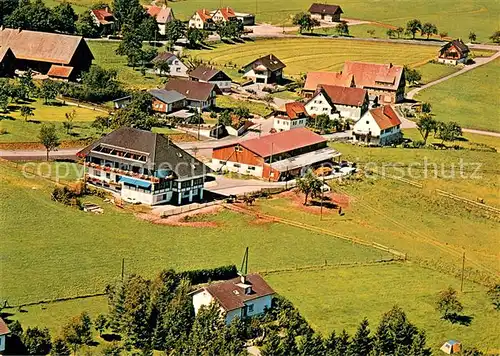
(322, 195)
(123, 268)
(463, 268)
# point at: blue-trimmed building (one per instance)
(144, 167)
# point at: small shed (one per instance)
(451, 347)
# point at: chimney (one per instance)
(106, 9)
(243, 279)
(390, 65)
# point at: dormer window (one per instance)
(248, 290)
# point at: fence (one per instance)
(187, 208)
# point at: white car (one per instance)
(131, 200)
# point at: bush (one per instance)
(205, 275)
(66, 196)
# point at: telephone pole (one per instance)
(463, 268)
(123, 268)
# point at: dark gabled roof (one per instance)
(231, 294)
(163, 56)
(167, 96)
(159, 149)
(206, 73)
(325, 9)
(192, 90)
(269, 61)
(458, 44)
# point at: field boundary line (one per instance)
(55, 300)
(446, 194)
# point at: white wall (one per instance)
(259, 305)
(242, 169)
(201, 298)
(223, 85)
(253, 76)
(349, 112)
(368, 124)
(177, 68)
(196, 21)
(281, 124)
(318, 105)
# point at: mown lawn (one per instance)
(228, 102)
(328, 54)
(50, 250)
(338, 298)
(471, 99)
(105, 56)
(434, 71)
(458, 19)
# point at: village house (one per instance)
(201, 19)
(162, 15)
(325, 12)
(227, 14)
(454, 52)
(384, 81)
(4, 331)
(267, 70)
(176, 67)
(122, 102)
(290, 116)
(199, 96)
(277, 157)
(144, 167)
(379, 126)
(43, 52)
(314, 79)
(167, 101)
(338, 102)
(7, 60)
(242, 297)
(104, 19)
(205, 74)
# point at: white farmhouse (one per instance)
(201, 19)
(4, 331)
(162, 15)
(291, 116)
(241, 297)
(176, 67)
(338, 102)
(380, 126)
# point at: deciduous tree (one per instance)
(60, 348)
(494, 295)
(472, 37)
(86, 26)
(412, 76)
(428, 29)
(48, 90)
(174, 31)
(196, 36)
(425, 125)
(495, 37)
(413, 26)
(448, 304)
(305, 22)
(342, 29)
(37, 341)
(309, 185)
(48, 138)
(26, 112)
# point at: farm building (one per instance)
(143, 167)
(267, 69)
(211, 75)
(167, 101)
(7, 60)
(380, 126)
(314, 79)
(338, 102)
(454, 52)
(241, 297)
(104, 19)
(385, 81)
(290, 116)
(199, 96)
(176, 68)
(41, 51)
(325, 12)
(4, 331)
(162, 15)
(277, 157)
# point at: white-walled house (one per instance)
(291, 116)
(199, 96)
(338, 102)
(4, 331)
(176, 67)
(201, 19)
(145, 167)
(380, 126)
(267, 70)
(241, 297)
(162, 15)
(205, 74)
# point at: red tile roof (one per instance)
(373, 75)
(227, 13)
(385, 117)
(161, 14)
(204, 14)
(343, 95)
(314, 79)
(59, 71)
(103, 16)
(4, 330)
(230, 296)
(282, 142)
(295, 110)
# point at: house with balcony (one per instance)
(379, 127)
(242, 297)
(104, 19)
(144, 167)
(454, 52)
(267, 70)
(202, 19)
(199, 96)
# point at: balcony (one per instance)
(122, 172)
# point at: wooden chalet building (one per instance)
(267, 70)
(205, 74)
(277, 157)
(325, 12)
(144, 167)
(45, 52)
(454, 52)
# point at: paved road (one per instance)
(408, 124)
(38, 155)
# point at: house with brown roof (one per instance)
(314, 79)
(338, 102)
(454, 52)
(176, 68)
(290, 116)
(379, 126)
(167, 101)
(199, 96)
(103, 18)
(267, 70)
(4, 331)
(277, 157)
(242, 297)
(202, 19)
(7, 60)
(325, 12)
(205, 74)
(162, 15)
(384, 81)
(42, 50)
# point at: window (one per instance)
(238, 148)
(278, 121)
(367, 122)
(186, 184)
(325, 109)
(236, 165)
(250, 168)
(108, 175)
(250, 308)
(177, 70)
(176, 62)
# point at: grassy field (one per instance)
(299, 58)
(434, 71)
(60, 251)
(470, 99)
(19, 130)
(228, 102)
(104, 53)
(347, 295)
